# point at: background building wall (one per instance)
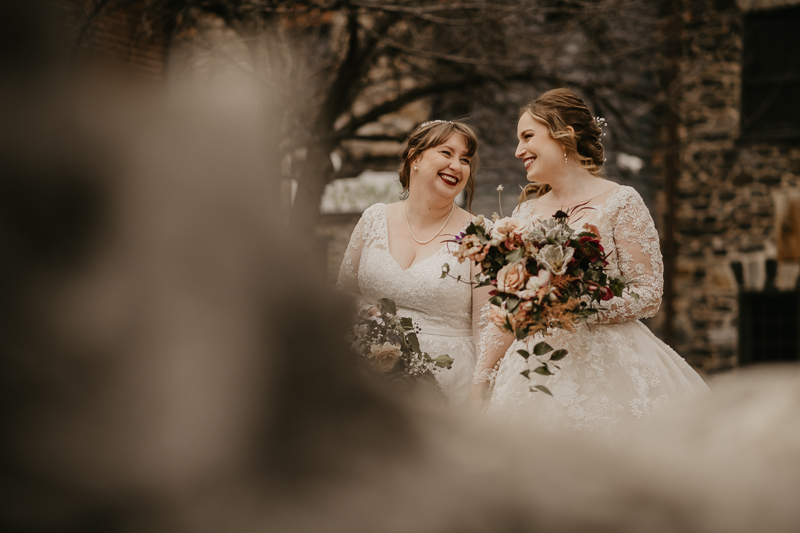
(725, 194)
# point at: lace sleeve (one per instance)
(636, 241)
(491, 342)
(348, 271)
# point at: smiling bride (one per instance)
(397, 251)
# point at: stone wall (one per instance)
(726, 192)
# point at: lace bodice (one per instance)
(441, 307)
(369, 270)
(630, 238)
(616, 372)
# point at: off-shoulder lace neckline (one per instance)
(611, 190)
(607, 197)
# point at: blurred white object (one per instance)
(354, 195)
(630, 162)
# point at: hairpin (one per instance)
(601, 123)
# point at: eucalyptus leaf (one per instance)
(443, 361)
(515, 255)
(542, 348)
(407, 323)
(519, 334)
(543, 370)
(414, 342)
(524, 353)
(512, 303)
(387, 305)
(481, 233)
(558, 355)
(525, 373)
(542, 388)
(496, 300)
(445, 270)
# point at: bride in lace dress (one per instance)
(616, 370)
(397, 251)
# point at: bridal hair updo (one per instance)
(559, 108)
(432, 134)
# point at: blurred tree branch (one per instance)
(341, 65)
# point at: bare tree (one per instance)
(342, 65)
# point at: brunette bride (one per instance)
(617, 370)
(397, 251)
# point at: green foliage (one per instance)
(515, 255)
(385, 305)
(524, 353)
(541, 388)
(558, 355)
(445, 270)
(543, 370)
(542, 348)
(413, 342)
(443, 361)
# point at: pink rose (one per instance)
(497, 315)
(512, 277)
(384, 356)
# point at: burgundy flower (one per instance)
(591, 248)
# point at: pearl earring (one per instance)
(415, 167)
(565, 157)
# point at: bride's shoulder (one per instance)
(374, 212)
(624, 196)
(524, 208)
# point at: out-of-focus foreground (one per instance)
(169, 360)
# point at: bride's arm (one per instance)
(491, 343)
(348, 270)
(639, 252)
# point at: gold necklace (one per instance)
(405, 214)
(576, 203)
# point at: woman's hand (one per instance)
(477, 396)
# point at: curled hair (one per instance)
(435, 133)
(559, 108)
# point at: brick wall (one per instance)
(126, 35)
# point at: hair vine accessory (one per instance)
(437, 121)
(565, 158)
(601, 123)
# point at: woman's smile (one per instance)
(448, 179)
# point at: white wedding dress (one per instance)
(441, 307)
(616, 370)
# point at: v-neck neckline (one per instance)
(389, 253)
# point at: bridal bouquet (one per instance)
(390, 346)
(545, 275)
